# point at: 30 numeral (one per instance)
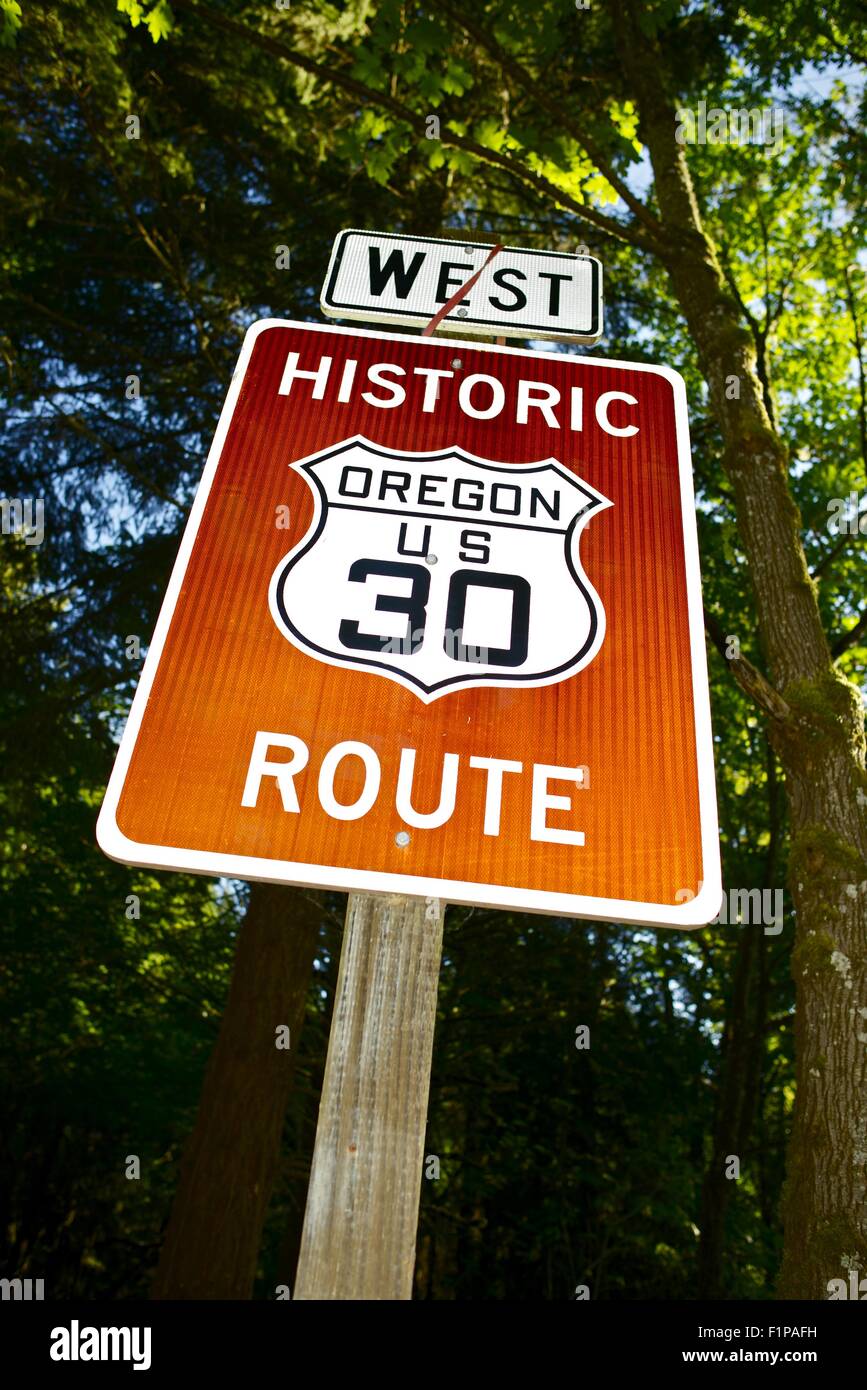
(414, 605)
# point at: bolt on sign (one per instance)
(384, 277)
(435, 629)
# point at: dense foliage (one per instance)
(146, 258)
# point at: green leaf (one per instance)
(160, 21)
(10, 10)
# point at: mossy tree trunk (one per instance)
(816, 723)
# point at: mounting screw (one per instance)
(430, 559)
(402, 838)
(457, 363)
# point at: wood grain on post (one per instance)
(362, 1206)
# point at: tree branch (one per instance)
(760, 333)
(748, 676)
(856, 522)
(859, 353)
(631, 234)
(848, 639)
(539, 95)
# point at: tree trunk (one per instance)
(211, 1245)
(818, 736)
(734, 1111)
(740, 1069)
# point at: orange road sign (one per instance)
(434, 628)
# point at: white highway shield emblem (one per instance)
(441, 570)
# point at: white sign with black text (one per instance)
(382, 277)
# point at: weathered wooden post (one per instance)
(362, 1207)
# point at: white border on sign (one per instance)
(697, 912)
